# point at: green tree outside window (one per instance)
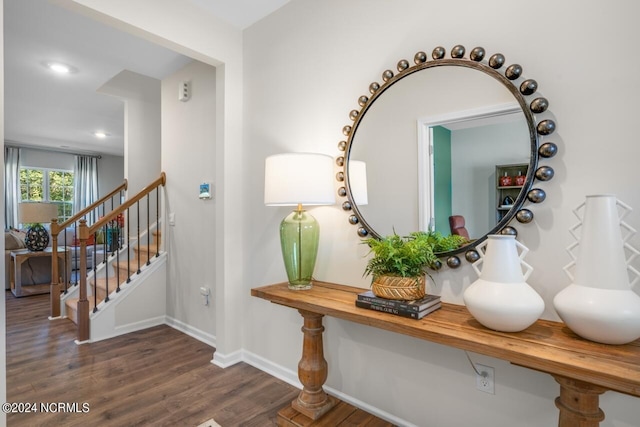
(48, 185)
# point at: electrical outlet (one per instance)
(484, 381)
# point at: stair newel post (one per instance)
(128, 246)
(148, 232)
(83, 302)
(106, 278)
(157, 221)
(54, 289)
(118, 252)
(138, 220)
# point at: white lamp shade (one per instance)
(298, 178)
(37, 212)
(358, 182)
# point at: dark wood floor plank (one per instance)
(155, 377)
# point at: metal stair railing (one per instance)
(61, 281)
(117, 215)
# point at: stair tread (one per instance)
(132, 265)
(73, 302)
(101, 282)
(144, 248)
(121, 268)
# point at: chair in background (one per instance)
(457, 225)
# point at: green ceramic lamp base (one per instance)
(299, 236)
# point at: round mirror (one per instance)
(446, 137)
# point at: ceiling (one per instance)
(62, 112)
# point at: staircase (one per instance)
(126, 291)
(108, 279)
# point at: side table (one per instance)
(19, 257)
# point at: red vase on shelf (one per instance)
(505, 181)
(520, 179)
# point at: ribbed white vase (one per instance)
(600, 304)
(501, 299)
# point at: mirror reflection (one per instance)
(473, 123)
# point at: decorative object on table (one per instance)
(600, 304)
(297, 179)
(111, 235)
(505, 180)
(397, 311)
(520, 179)
(415, 309)
(399, 264)
(501, 299)
(33, 215)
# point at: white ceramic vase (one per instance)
(501, 299)
(600, 304)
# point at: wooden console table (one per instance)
(583, 369)
(20, 256)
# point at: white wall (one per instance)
(305, 67)
(110, 173)
(192, 31)
(141, 96)
(189, 157)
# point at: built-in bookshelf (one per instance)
(507, 190)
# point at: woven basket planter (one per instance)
(399, 288)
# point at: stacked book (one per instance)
(415, 309)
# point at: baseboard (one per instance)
(196, 333)
(132, 327)
(291, 378)
(273, 369)
(226, 360)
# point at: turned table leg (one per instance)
(578, 403)
(312, 370)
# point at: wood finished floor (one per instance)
(156, 377)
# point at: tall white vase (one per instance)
(501, 299)
(600, 304)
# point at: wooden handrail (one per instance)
(84, 231)
(123, 207)
(55, 230)
(88, 209)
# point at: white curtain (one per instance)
(11, 186)
(85, 185)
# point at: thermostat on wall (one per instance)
(205, 190)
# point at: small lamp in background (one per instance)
(357, 173)
(297, 179)
(32, 215)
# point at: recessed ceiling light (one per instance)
(59, 67)
(100, 134)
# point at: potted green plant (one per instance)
(399, 263)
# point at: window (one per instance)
(48, 185)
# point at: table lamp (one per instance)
(297, 179)
(32, 215)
